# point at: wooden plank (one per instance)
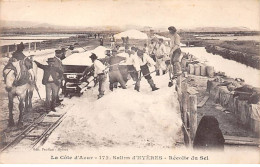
(193, 115)
(236, 142)
(242, 139)
(203, 101)
(187, 139)
(185, 103)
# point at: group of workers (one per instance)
(138, 62)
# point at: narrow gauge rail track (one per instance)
(37, 133)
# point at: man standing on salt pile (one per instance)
(152, 49)
(175, 52)
(160, 57)
(114, 73)
(146, 49)
(132, 66)
(142, 65)
(99, 72)
(106, 59)
(167, 60)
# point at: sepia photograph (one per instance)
(129, 82)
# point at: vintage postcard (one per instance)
(130, 82)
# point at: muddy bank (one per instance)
(241, 57)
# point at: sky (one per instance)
(154, 13)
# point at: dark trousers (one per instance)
(175, 62)
(115, 76)
(145, 71)
(133, 73)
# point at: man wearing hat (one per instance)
(99, 72)
(112, 41)
(50, 79)
(63, 53)
(114, 73)
(143, 62)
(132, 66)
(160, 57)
(58, 63)
(152, 49)
(101, 41)
(175, 52)
(106, 59)
(69, 51)
(18, 54)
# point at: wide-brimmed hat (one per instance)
(93, 56)
(20, 46)
(50, 60)
(134, 48)
(172, 28)
(58, 51)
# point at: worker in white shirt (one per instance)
(160, 57)
(99, 72)
(146, 49)
(152, 49)
(131, 65)
(142, 65)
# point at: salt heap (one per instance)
(82, 59)
(100, 51)
(164, 38)
(122, 118)
(132, 34)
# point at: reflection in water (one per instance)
(231, 68)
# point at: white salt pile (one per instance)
(83, 57)
(132, 34)
(126, 118)
(164, 38)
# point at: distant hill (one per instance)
(216, 29)
(34, 26)
(46, 27)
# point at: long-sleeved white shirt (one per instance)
(98, 67)
(142, 61)
(161, 51)
(152, 48)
